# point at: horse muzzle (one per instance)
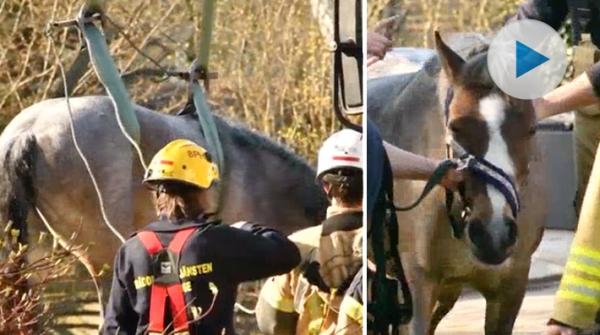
(492, 246)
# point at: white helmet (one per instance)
(342, 149)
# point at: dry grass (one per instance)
(273, 75)
(424, 16)
(272, 62)
(420, 18)
(23, 283)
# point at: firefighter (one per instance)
(179, 275)
(578, 298)
(318, 297)
(307, 300)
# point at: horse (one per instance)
(44, 183)
(490, 251)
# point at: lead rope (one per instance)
(436, 177)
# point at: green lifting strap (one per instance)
(208, 18)
(109, 76)
(107, 72)
(205, 117)
(207, 125)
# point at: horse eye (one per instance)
(453, 127)
(532, 131)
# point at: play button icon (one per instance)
(527, 59)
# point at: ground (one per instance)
(466, 318)
(468, 315)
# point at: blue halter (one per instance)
(481, 168)
(489, 173)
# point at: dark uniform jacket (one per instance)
(555, 13)
(215, 253)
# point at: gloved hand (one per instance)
(559, 330)
(239, 224)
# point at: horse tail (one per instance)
(17, 160)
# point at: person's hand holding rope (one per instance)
(452, 179)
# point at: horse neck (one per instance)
(260, 168)
(422, 129)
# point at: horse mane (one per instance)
(313, 199)
(247, 138)
(475, 72)
(398, 109)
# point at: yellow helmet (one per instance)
(183, 161)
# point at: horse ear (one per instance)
(451, 62)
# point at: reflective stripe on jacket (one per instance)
(307, 300)
(578, 297)
(350, 318)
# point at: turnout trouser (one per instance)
(578, 296)
(587, 137)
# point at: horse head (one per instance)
(494, 131)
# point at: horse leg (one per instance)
(118, 205)
(445, 301)
(423, 291)
(111, 166)
(503, 307)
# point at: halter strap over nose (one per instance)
(488, 173)
(479, 167)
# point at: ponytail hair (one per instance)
(346, 185)
(178, 201)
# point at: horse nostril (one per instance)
(476, 231)
(512, 231)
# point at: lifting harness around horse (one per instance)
(110, 78)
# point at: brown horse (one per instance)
(44, 178)
(493, 245)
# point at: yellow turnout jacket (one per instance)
(308, 300)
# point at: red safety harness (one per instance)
(166, 282)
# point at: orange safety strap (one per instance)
(159, 293)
